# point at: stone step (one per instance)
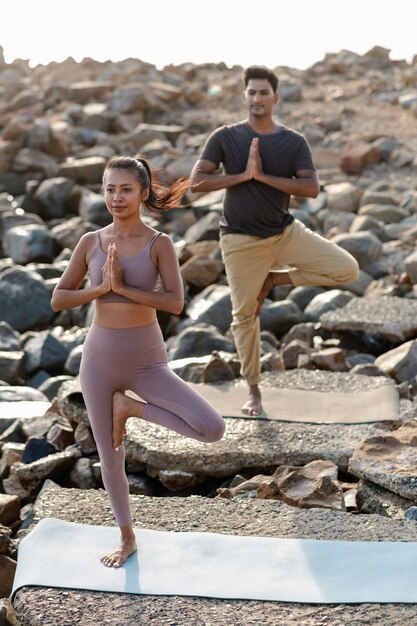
(270, 518)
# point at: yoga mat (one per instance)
(23, 409)
(66, 555)
(305, 405)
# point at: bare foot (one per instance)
(405, 279)
(120, 415)
(123, 407)
(117, 557)
(253, 406)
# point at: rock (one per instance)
(9, 509)
(7, 571)
(29, 243)
(21, 393)
(343, 196)
(7, 617)
(199, 340)
(411, 513)
(60, 124)
(12, 369)
(216, 515)
(279, 317)
(400, 363)
(37, 448)
(51, 385)
(330, 359)
(217, 370)
(373, 499)
(365, 247)
(82, 475)
(201, 271)
(9, 338)
(357, 158)
(14, 286)
(45, 352)
(389, 460)
(391, 318)
(314, 485)
(292, 351)
(326, 301)
(212, 306)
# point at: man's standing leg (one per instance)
(247, 262)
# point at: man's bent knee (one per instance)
(349, 272)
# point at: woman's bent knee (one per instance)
(217, 431)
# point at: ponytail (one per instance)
(160, 198)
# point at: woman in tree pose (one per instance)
(124, 349)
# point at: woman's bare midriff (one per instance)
(123, 315)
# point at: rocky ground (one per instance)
(58, 126)
(43, 607)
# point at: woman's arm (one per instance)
(165, 259)
(67, 294)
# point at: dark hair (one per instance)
(260, 71)
(160, 198)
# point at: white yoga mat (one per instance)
(305, 405)
(66, 555)
(23, 409)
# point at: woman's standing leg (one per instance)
(100, 376)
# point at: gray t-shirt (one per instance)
(253, 208)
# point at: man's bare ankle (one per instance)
(254, 390)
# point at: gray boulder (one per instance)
(18, 287)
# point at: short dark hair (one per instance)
(260, 71)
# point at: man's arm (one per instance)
(305, 184)
(203, 178)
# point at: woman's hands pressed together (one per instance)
(112, 270)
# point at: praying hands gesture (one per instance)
(254, 169)
(112, 270)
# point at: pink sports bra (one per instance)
(138, 270)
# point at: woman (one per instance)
(124, 348)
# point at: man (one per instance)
(264, 163)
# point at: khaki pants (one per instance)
(311, 260)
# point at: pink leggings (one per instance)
(135, 359)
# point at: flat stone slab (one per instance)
(391, 317)
(260, 443)
(246, 444)
(269, 518)
(389, 461)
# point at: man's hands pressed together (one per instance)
(254, 168)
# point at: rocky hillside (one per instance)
(59, 124)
